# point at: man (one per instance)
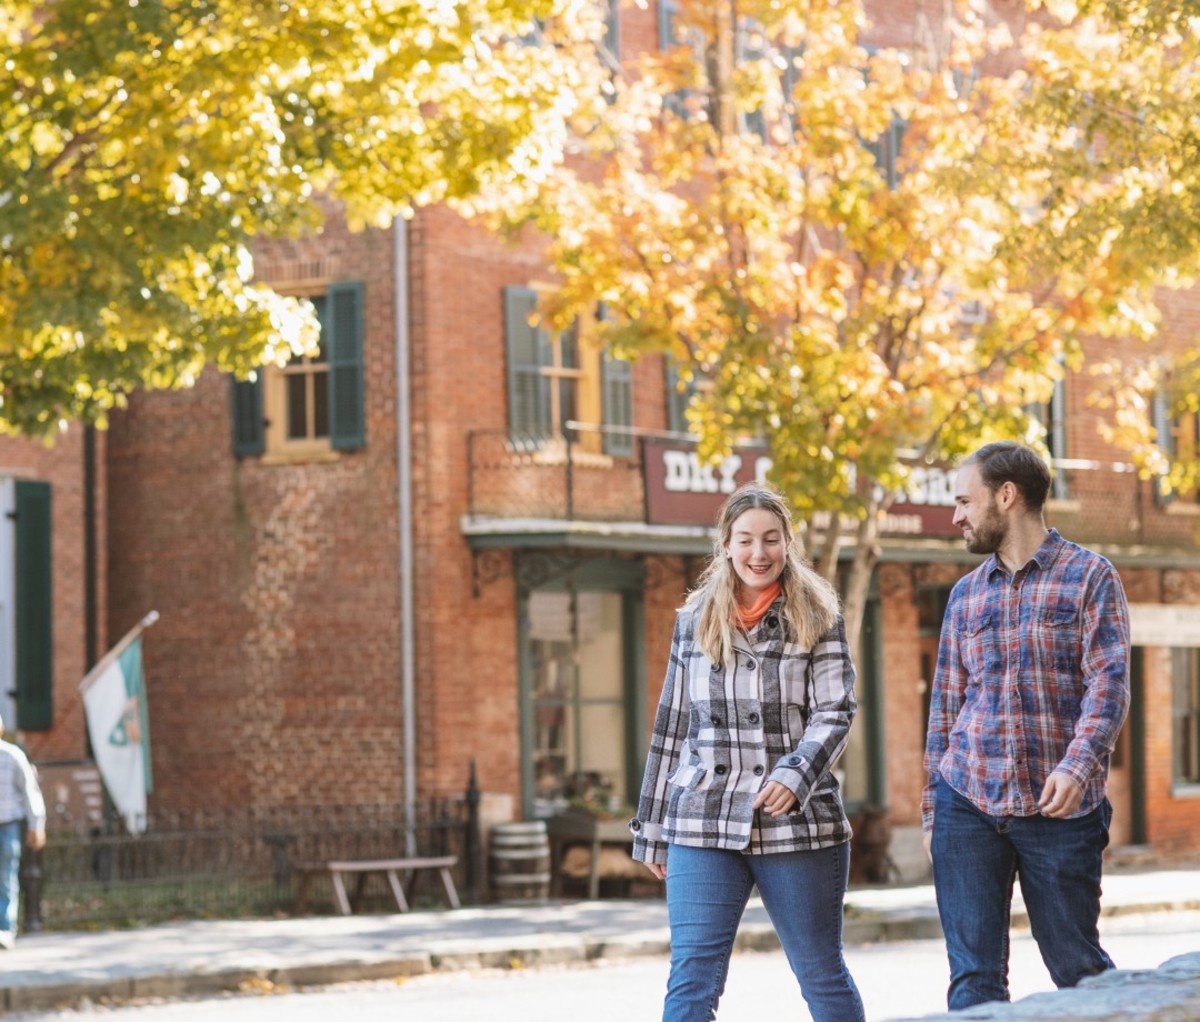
(1029, 695)
(21, 806)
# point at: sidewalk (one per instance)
(182, 959)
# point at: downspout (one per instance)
(405, 524)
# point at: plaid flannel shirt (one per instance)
(776, 712)
(1032, 676)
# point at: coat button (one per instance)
(715, 719)
(753, 718)
(772, 621)
(793, 760)
(750, 665)
(721, 769)
(758, 770)
(635, 824)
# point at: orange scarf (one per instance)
(749, 617)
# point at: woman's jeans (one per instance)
(10, 865)
(975, 859)
(707, 891)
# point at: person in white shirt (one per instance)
(22, 808)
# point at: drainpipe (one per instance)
(405, 523)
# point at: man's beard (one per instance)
(988, 534)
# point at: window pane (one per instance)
(320, 397)
(297, 406)
(602, 753)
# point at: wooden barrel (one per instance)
(520, 862)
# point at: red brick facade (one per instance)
(275, 674)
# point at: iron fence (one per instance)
(236, 862)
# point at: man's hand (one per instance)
(1061, 797)
(927, 841)
(657, 868)
(774, 798)
(36, 839)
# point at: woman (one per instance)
(739, 787)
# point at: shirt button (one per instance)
(720, 769)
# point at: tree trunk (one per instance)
(858, 581)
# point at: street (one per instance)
(897, 980)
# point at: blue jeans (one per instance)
(975, 860)
(10, 868)
(707, 891)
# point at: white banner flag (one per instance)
(114, 701)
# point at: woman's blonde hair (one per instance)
(810, 603)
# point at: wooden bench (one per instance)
(338, 869)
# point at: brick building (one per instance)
(376, 567)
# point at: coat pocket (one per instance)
(687, 776)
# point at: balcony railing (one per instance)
(563, 477)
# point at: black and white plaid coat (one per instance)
(778, 712)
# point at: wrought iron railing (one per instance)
(235, 862)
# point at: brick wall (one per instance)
(273, 674)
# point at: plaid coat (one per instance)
(777, 712)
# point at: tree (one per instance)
(870, 258)
(146, 144)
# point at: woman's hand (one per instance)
(775, 799)
(657, 868)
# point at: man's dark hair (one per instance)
(1009, 462)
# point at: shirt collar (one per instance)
(1044, 556)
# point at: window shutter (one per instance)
(34, 612)
(617, 396)
(612, 29)
(249, 434)
(344, 348)
(677, 400)
(1057, 409)
(1162, 429)
(668, 11)
(527, 349)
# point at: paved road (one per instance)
(898, 979)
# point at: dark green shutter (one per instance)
(616, 380)
(249, 433)
(344, 345)
(34, 610)
(1160, 409)
(528, 348)
(677, 400)
(612, 29)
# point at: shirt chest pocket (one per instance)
(1055, 634)
(979, 644)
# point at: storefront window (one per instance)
(1185, 715)
(577, 692)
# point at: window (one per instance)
(313, 404)
(577, 698)
(1052, 415)
(1179, 437)
(1185, 716)
(554, 378)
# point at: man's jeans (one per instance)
(707, 891)
(10, 865)
(975, 859)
